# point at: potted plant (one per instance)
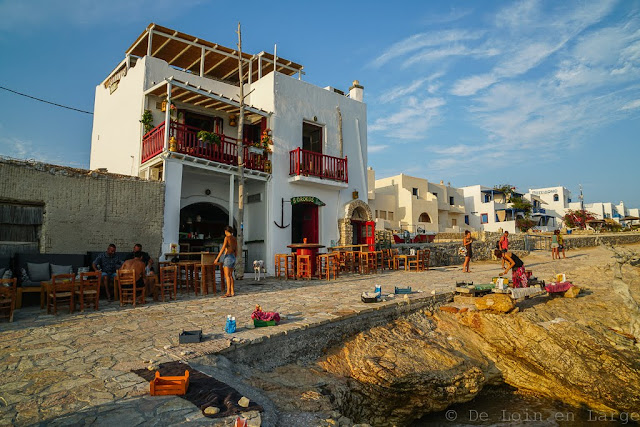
(209, 137)
(147, 121)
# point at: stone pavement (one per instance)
(75, 369)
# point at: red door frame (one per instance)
(370, 234)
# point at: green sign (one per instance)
(307, 199)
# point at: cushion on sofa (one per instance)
(38, 272)
(8, 274)
(61, 269)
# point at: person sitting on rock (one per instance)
(515, 264)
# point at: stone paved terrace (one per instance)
(75, 369)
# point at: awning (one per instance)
(307, 199)
(186, 93)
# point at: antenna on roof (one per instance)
(275, 56)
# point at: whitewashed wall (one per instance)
(292, 102)
(116, 134)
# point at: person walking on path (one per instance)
(229, 250)
(515, 264)
(504, 244)
(561, 246)
(466, 242)
(555, 245)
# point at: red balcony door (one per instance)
(304, 223)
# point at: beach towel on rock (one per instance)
(557, 287)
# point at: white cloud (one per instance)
(471, 85)
(402, 91)
(422, 40)
(631, 105)
(376, 148)
(412, 121)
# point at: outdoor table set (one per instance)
(305, 263)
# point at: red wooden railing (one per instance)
(309, 163)
(188, 143)
(153, 143)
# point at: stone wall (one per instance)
(86, 210)
(446, 253)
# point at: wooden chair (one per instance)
(413, 263)
(89, 289)
(61, 289)
(304, 267)
(368, 263)
(379, 260)
(327, 266)
(130, 292)
(168, 283)
(351, 261)
(391, 259)
(280, 262)
(425, 257)
(8, 294)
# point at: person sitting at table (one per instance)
(518, 273)
(138, 266)
(228, 252)
(145, 256)
(107, 262)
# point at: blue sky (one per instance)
(531, 93)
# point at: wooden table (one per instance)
(406, 261)
(360, 247)
(310, 249)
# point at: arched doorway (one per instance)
(358, 226)
(202, 226)
(356, 212)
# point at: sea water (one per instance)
(505, 406)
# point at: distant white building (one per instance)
(408, 203)
(555, 202)
(304, 147)
(489, 209)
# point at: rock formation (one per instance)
(582, 351)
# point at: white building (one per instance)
(489, 209)
(307, 187)
(556, 201)
(452, 215)
(407, 203)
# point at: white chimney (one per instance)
(356, 91)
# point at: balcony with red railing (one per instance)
(311, 164)
(187, 142)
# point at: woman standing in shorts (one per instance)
(466, 242)
(555, 244)
(228, 251)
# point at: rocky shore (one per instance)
(583, 351)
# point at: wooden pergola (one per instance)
(205, 58)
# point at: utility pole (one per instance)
(240, 264)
